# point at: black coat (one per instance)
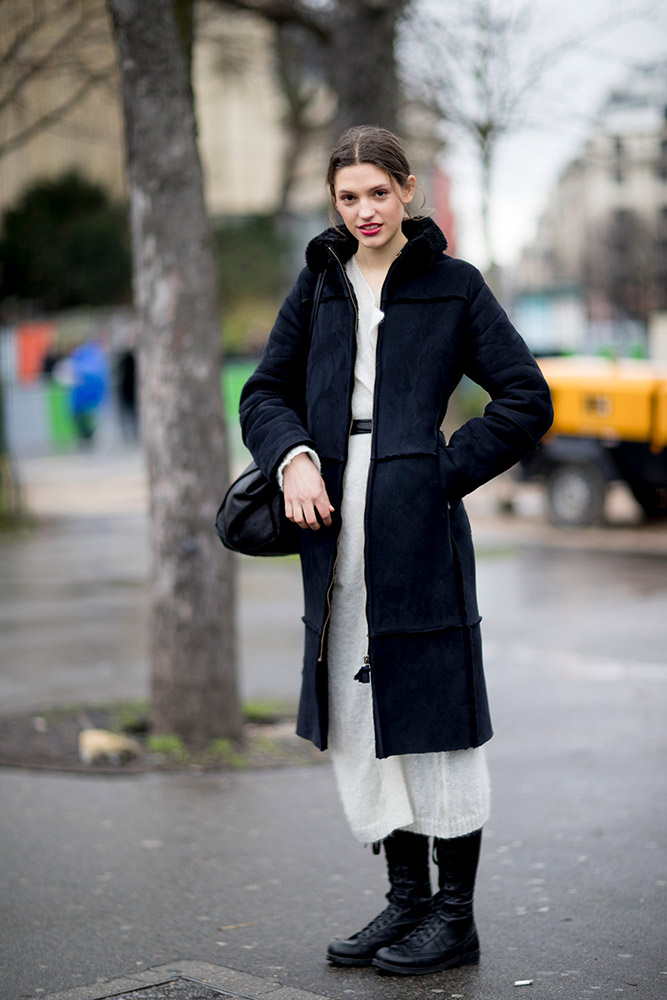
(441, 322)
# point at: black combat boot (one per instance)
(447, 936)
(409, 899)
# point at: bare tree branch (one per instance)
(22, 36)
(45, 60)
(57, 113)
(301, 86)
(46, 41)
(474, 66)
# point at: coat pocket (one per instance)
(461, 539)
(445, 470)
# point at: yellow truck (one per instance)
(610, 424)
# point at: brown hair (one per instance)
(368, 144)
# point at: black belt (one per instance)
(361, 427)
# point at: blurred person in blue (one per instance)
(86, 373)
(348, 422)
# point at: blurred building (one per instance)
(66, 62)
(596, 272)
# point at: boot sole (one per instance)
(337, 960)
(470, 958)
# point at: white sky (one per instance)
(529, 162)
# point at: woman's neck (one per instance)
(374, 264)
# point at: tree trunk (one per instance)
(192, 642)
(363, 63)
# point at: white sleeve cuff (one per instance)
(299, 450)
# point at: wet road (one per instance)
(102, 877)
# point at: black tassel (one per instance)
(364, 674)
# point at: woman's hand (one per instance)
(305, 494)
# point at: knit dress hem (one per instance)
(428, 826)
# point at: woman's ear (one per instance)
(409, 189)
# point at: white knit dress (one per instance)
(437, 794)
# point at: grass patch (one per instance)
(220, 753)
(168, 745)
(224, 751)
(131, 717)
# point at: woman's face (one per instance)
(372, 205)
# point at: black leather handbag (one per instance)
(251, 518)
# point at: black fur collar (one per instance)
(426, 242)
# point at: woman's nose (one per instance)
(366, 209)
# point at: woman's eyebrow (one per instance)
(376, 187)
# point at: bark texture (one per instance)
(192, 641)
(363, 64)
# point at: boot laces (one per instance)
(388, 915)
(424, 929)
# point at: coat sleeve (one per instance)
(520, 411)
(272, 400)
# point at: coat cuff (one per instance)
(299, 450)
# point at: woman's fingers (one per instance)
(306, 499)
(295, 510)
(324, 509)
(304, 514)
(308, 513)
(311, 518)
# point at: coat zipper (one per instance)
(349, 432)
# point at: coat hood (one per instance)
(426, 242)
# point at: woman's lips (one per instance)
(371, 230)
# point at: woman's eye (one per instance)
(347, 198)
(381, 194)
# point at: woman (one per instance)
(350, 424)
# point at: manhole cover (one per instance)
(177, 989)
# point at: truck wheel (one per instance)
(575, 495)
